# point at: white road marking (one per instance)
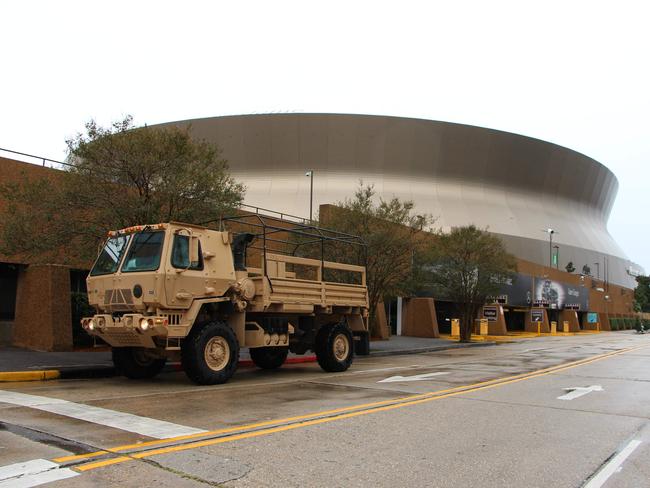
(377, 370)
(578, 391)
(614, 465)
(32, 473)
(417, 377)
(158, 429)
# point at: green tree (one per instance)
(393, 235)
(467, 265)
(118, 176)
(642, 293)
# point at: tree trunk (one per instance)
(466, 322)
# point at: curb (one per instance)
(109, 371)
(402, 352)
(48, 374)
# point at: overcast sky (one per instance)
(571, 72)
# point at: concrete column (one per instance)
(420, 318)
(570, 316)
(496, 319)
(399, 316)
(532, 326)
(43, 312)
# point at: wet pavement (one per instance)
(487, 416)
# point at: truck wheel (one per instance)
(269, 357)
(210, 354)
(334, 347)
(136, 363)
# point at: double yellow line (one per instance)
(258, 429)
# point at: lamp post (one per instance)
(550, 233)
(597, 270)
(310, 173)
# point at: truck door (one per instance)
(185, 269)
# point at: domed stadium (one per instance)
(518, 187)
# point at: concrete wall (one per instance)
(419, 318)
(43, 314)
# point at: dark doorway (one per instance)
(445, 311)
(390, 306)
(8, 282)
(515, 319)
(581, 317)
(80, 308)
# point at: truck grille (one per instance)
(118, 296)
(172, 318)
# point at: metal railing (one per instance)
(40, 158)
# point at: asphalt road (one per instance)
(547, 412)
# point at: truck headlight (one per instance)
(145, 324)
(91, 324)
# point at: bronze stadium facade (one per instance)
(516, 186)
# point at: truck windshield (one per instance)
(144, 253)
(110, 257)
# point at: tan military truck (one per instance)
(179, 291)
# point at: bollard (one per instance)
(553, 327)
(539, 328)
(483, 328)
(455, 327)
(565, 326)
(597, 326)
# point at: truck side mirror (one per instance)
(194, 249)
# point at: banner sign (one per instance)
(516, 291)
(561, 295)
(490, 313)
(592, 317)
(537, 315)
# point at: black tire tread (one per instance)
(192, 351)
(126, 365)
(269, 357)
(323, 347)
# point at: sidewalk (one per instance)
(24, 365)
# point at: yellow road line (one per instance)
(284, 428)
(48, 374)
(360, 410)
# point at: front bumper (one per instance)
(129, 330)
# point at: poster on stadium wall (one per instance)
(556, 294)
(516, 291)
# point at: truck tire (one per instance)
(210, 354)
(135, 363)
(334, 347)
(269, 357)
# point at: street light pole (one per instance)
(597, 270)
(310, 173)
(550, 233)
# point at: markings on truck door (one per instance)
(158, 429)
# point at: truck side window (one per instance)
(181, 254)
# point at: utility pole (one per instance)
(310, 173)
